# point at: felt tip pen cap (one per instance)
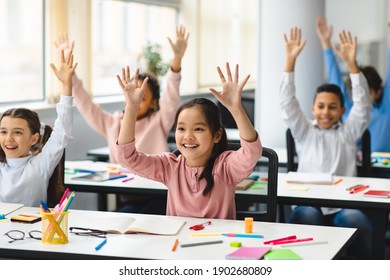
(2, 216)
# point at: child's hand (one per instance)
(294, 45)
(66, 70)
(347, 50)
(324, 32)
(62, 43)
(230, 96)
(179, 47)
(133, 93)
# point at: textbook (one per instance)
(309, 178)
(248, 253)
(377, 193)
(7, 208)
(153, 224)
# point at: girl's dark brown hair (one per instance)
(213, 119)
(56, 181)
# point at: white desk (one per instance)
(140, 246)
(337, 196)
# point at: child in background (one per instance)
(201, 180)
(24, 171)
(155, 118)
(327, 144)
(379, 125)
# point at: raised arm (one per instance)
(178, 47)
(133, 97)
(347, 51)
(386, 88)
(294, 47)
(65, 72)
(230, 97)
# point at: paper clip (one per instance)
(200, 226)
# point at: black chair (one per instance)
(363, 165)
(270, 200)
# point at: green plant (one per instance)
(153, 59)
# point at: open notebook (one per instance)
(153, 224)
(309, 178)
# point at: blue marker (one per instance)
(98, 247)
(2, 216)
(44, 205)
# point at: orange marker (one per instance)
(175, 245)
(248, 225)
(338, 181)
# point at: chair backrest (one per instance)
(292, 164)
(363, 166)
(269, 213)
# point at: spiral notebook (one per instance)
(248, 253)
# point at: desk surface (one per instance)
(140, 246)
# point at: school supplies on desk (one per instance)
(309, 178)
(100, 177)
(28, 218)
(244, 184)
(124, 224)
(377, 193)
(248, 253)
(358, 189)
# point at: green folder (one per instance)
(282, 254)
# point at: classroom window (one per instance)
(120, 31)
(21, 50)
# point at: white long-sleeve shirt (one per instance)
(330, 150)
(25, 180)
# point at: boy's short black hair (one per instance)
(335, 89)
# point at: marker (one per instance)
(292, 241)
(128, 179)
(175, 245)
(2, 216)
(45, 207)
(243, 235)
(360, 189)
(98, 247)
(84, 171)
(305, 243)
(201, 243)
(280, 239)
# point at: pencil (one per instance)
(175, 245)
(338, 181)
(201, 243)
(305, 243)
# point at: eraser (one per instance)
(235, 244)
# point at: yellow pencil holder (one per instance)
(55, 229)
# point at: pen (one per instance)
(354, 187)
(305, 243)
(280, 239)
(360, 189)
(128, 179)
(98, 247)
(117, 177)
(2, 216)
(201, 243)
(292, 241)
(243, 235)
(175, 245)
(84, 171)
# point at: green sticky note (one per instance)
(282, 254)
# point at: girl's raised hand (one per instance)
(62, 43)
(230, 96)
(180, 45)
(66, 69)
(133, 93)
(347, 49)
